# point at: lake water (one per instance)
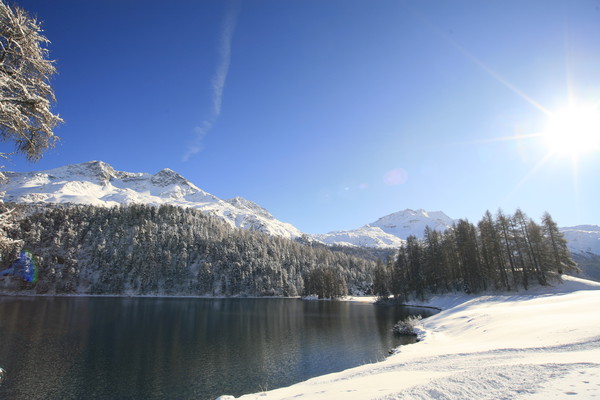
(173, 348)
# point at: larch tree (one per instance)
(561, 256)
(26, 96)
(26, 119)
(491, 252)
(506, 238)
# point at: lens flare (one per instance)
(23, 267)
(29, 269)
(395, 177)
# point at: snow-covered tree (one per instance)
(25, 92)
(25, 95)
(140, 249)
(8, 246)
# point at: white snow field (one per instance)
(539, 344)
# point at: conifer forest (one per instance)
(174, 251)
(501, 253)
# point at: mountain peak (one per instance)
(167, 176)
(97, 171)
(413, 222)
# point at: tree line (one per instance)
(168, 250)
(501, 252)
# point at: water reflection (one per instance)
(159, 348)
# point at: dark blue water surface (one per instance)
(174, 348)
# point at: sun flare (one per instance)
(573, 131)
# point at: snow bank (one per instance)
(536, 345)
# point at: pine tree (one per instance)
(433, 259)
(381, 281)
(400, 275)
(415, 266)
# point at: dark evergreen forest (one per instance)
(167, 250)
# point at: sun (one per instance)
(573, 131)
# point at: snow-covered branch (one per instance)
(25, 93)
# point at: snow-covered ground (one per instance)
(537, 345)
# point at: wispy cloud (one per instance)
(218, 80)
(199, 133)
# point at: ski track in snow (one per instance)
(497, 382)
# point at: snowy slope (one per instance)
(402, 224)
(366, 236)
(97, 183)
(391, 230)
(583, 238)
(584, 243)
(536, 345)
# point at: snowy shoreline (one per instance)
(539, 344)
(353, 299)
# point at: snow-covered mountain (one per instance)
(390, 231)
(583, 238)
(98, 183)
(366, 236)
(402, 224)
(584, 243)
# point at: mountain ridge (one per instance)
(98, 183)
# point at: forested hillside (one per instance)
(167, 250)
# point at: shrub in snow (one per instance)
(408, 326)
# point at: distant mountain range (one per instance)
(98, 183)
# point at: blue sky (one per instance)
(331, 114)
